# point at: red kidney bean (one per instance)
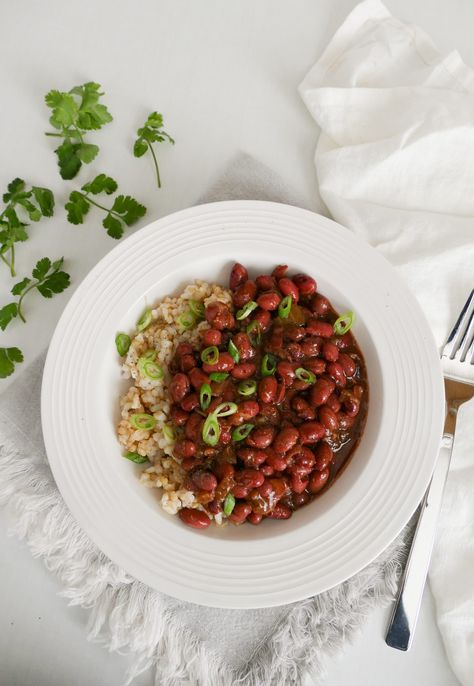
(178, 416)
(263, 317)
(302, 408)
(280, 394)
(254, 518)
(223, 470)
(275, 344)
(252, 457)
(299, 482)
(240, 491)
(305, 284)
(192, 430)
(280, 271)
(328, 418)
(194, 518)
(265, 282)
(295, 333)
(261, 437)
(311, 432)
(244, 293)
(189, 463)
(318, 480)
(269, 414)
(187, 362)
(205, 481)
(345, 341)
(179, 387)
(310, 347)
(226, 434)
(183, 349)
(267, 469)
(244, 346)
(225, 363)
(358, 391)
(286, 439)
(295, 351)
(300, 499)
(214, 507)
(320, 305)
(280, 511)
(330, 352)
(269, 300)
(323, 456)
(315, 365)
(185, 448)
(238, 276)
(321, 391)
(240, 513)
(334, 403)
(267, 388)
(287, 287)
(219, 316)
(348, 364)
(198, 378)
(314, 327)
(345, 422)
(351, 406)
(244, 370)
(212, 337)
(250, 478)
(335, 370)
(190, 402)
(278, 463)
(249, 409)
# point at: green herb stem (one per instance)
(158, 178)
(101, 207)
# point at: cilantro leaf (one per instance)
(101, 184)
(19, 287)
(77, 208)
(8, 357)
(42, 268)
(55, 283)
(87, 152)
(7, 313)
(69, 161)
(128, 208)
(113, 225)
(151, 132)
(14, 187)
(45, 200)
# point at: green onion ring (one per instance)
(257, 328)
(242, 432)
(234, 352)
(187, 320)
(211, 430)
(136, 457)
(269, 364)
(210, 355)
(305, 375)
(284, 308)
(168, 432)
(229, 504)
(225, 409)
(247, 387)
(122, 343)
(343, 323)
(197, 308)
(205, 396)
(148, 367)
(218, 376)
(140, 420)
(144, 321)
(246, 310)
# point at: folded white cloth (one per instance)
(394, 164)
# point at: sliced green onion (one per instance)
(210, 355)
(205, 395)
(197, 308)
(218, 376)
(254, 332)
(234, 352)
(246, 310)
(343, 323)
(144, 321)
(284, 308)
(148, 367)
(211, 430)
(168, 432)
(305, 375)
(242, 432)
(140, 420)
(247, 387)
(136, 457)
(269, 365)
(229, 504)
(187, 320)
(225, 409)
(122, 343)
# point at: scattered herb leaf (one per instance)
(8, 358)
(151, 132)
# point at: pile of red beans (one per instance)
(303, 427)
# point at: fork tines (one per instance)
(460, 343)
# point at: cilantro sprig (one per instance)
(21, 203)
(74, 113)
(151, 132)
(125, 210)
(8, 358)
(47, 278)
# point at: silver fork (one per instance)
(459, 347)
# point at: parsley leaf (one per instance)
(8, 357)
(125, 210)
(47, 278)
(151, 132)
(72, 114)
(21, 203)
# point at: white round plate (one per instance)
(325, 542)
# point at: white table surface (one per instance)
(224, 75)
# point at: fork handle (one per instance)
(405, 613)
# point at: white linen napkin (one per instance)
(394, 164)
